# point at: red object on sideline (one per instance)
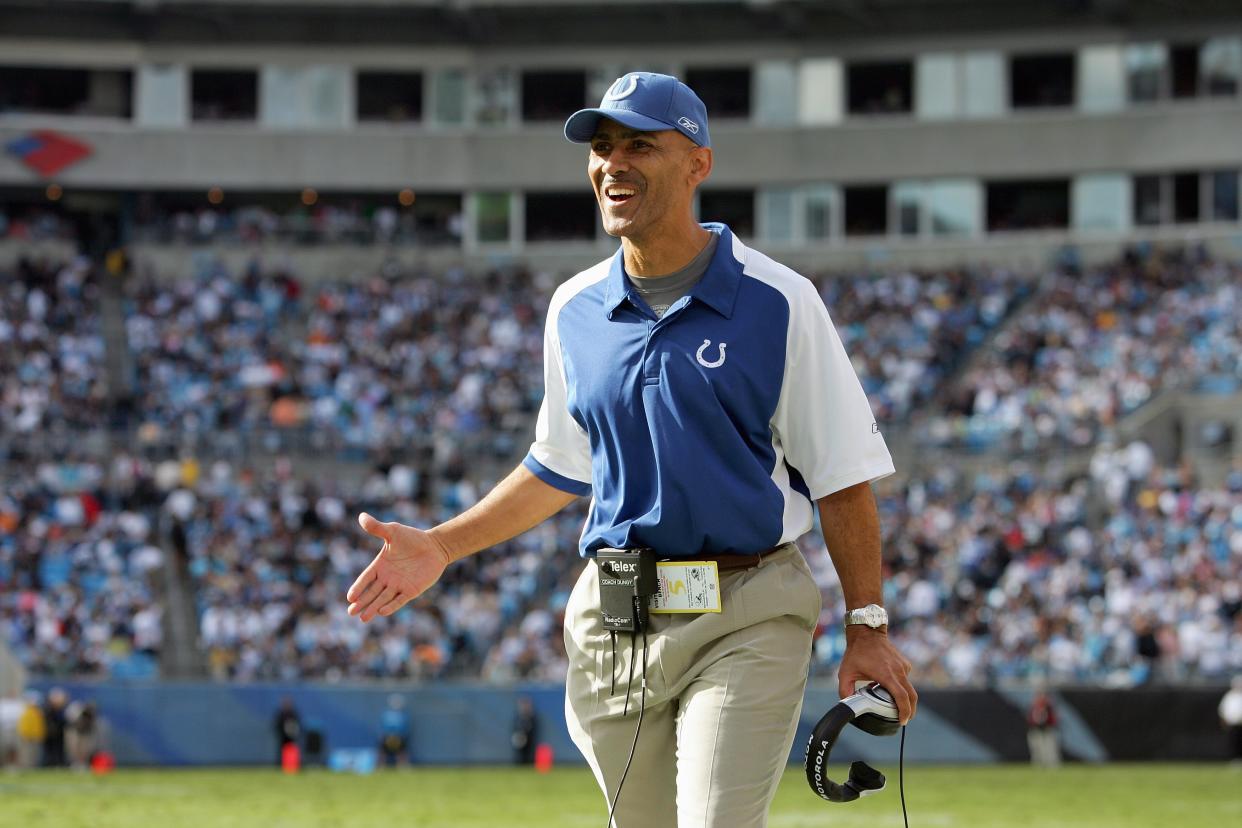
(102, 762)
(290, 758)
(543, 757)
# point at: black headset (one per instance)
(871, 709)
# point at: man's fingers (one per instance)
(383, 598)
(904, 695)
(399, 600)
(366, 597)
(378, 528)
(845, 683)
(363, 581)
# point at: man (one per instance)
(525, 732)
(1041, 731)
(699, 393)
(1230, 712)
(288, 728)
(395, 733)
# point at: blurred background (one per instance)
(264, 265)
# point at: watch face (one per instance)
(873, 616)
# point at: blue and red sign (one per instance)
(48, 152)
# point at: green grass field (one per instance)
(1007, 796)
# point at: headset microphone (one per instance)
(870, 709)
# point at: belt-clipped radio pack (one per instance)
(627, 580)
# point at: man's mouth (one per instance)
(620, 193)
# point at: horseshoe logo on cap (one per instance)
(622, 87)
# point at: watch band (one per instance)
(872, 615)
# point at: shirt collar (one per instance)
(717, 289)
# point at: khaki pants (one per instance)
(1045, 749)
(724, 691)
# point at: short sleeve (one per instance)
(823, 419)
(561, 453)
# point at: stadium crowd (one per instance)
(1094, 346)
(350, 222)
(1124, 571)
(80, 566)
(369, 368)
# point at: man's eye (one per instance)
(641, 145)
(601, 148)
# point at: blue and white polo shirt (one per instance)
(712, 429)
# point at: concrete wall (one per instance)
(1194, 135)
(223, 724)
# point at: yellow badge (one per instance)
(686, 586)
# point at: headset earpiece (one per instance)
(865, 779)
(872, 710)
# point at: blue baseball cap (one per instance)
(647, 102)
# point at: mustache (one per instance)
(604, 182)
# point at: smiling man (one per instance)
(698, 392)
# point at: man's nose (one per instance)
(615, 162)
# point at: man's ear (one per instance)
(700, 164)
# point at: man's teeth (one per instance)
(617, 192)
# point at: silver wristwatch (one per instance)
(873, 615)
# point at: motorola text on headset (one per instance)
(870, 709)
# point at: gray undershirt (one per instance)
(660, 292)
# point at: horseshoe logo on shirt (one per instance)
(715, 363)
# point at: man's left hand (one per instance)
(870, 656)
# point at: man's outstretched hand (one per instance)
(407, 565)
(870, 656)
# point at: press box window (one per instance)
(1041, 81)
(1028, 205)
(866, 210)
(1184, 65)
(40, 90)
(736, 208)
(1147, 66)
(560, 217)
(880, 88)
(1186, 197)
(1149, 200)
(224, 95)
(492, 217)
(1220, 62)
(1224, 185)
(390, 96)
(725, 92)
(552, 95)
(437, 218)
